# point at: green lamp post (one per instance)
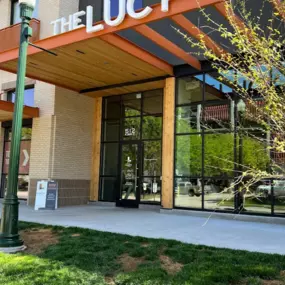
(9, 237)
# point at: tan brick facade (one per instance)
(5, 12)
(73, 135)
(62, 136)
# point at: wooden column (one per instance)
(168, 143)
(96, 146)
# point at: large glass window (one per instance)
(15, 12)
(132, 119)
(24, 163)
(204, 144)
(29, 96)
(189, 155)
(218, 142)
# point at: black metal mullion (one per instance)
(187, 134)
(151, 140)
(3, 178)
(203, 143)
(175, 143)
(102, 148)
(236, 202)
(141, 151)
(12, 12)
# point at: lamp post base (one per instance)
(11, 250)
(9, 236)
(10, 241)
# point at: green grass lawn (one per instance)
(74, 256)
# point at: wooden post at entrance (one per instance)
(96, 146)
(168, 143)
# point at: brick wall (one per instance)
(73, 135)
(62, 135)
(5, 12)
(62, 148)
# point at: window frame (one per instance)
(12, 14)
(12, 11)
(140, 140)
(11, 91)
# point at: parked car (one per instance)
(265, 189)
(186, 187)
(193, 187)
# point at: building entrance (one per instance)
(130, 174)
(131, 149)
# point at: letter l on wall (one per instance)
(89, 22)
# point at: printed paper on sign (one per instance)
(154, 187)
(41, 194)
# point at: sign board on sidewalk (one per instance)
(47, 195)
(51, 197)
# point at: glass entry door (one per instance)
(129, 175)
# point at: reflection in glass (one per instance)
(132, 128)
(129, 175)
(25, 135)
(188, 119)
(257, 198)
(151, 189)
(219, 155)
(112, 107)
(152, 158)
(110, 159)
(152, 102)
(111, 130)
(219, 194)
(189, 90)
(218, 85)
(188, 192)
(109, 185)
(188, 155)
(254, 147)
(132, 104)
(152, 127)
(278, 190)
(218, 116)
(23, 186)
(255, 156)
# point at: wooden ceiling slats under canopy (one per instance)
(90, 61)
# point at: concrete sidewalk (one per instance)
(267, 238)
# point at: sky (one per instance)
(28, 97)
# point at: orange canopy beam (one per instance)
(168, 45)
(196, 33)
(30, 112)
(138, 52)
(229, 15)
(175, 7)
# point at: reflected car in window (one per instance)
(186, 187)
(265, 189)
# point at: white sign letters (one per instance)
(73, 22)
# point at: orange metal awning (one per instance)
(7, 110)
